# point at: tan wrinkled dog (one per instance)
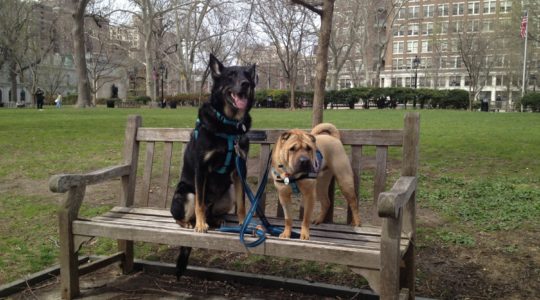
(294, 157)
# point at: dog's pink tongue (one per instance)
(240, 102)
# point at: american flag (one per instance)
(523, 32)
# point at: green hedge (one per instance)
(187, 99)
(532, 101)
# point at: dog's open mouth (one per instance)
(239, 101)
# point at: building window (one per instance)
(427, 29)
(454, 80)
(399, 30)
(505, 6)
(443, 27)
(487, 26)
(457, 26)
(412, 46)
(443, 10)
(474, 25)
(427, 62)
(456, 62)
(442, 62)
(473, 8)
(409, 81)
(413, 29)
(429, 11)
(499, 80)
(467, 81)
(398, 47)
(397, 63)
(458, 9)
(402, 14)
(489, 6)
(427, 46)
(414, 12)
(441, 82)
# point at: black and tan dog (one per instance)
(307, 162)
(209, 184)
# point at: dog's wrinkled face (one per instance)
(297, 151)
(234, 88)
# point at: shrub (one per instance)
(532, 101)
(457, 99)
(70, 99)
(142, 99)
(187, 99)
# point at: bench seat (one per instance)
(332, 243)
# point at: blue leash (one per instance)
(247, 226)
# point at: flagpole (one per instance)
(524, 58)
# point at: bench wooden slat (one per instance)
(166, 215)
(166, 172)
(379, 183)
(146, 134)
(315, 231)
(147, 173)
(350, 240)
(311, 250)
(385, 137)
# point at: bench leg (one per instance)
(127, 262)
(69, 265)
(390, 258)
(408, 273)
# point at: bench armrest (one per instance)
(61, 183)
(389, 203)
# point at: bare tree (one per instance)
(385, 13)
(476, 51)
(344, 37)
(15, 32)
(325, 10)
(103, 61)
(78, 14)
(287, 28)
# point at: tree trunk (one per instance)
(322, 61)
(150, 82)
(83, 86)
(13, 81)
(293, 94)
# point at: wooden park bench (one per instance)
(383, 254)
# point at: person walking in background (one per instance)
(40, 97)
(58, 101)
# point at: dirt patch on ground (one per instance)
(501, 265)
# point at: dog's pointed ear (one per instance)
(253, 74)
(215, 66)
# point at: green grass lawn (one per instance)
(479, 171)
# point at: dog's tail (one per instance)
(182, 261)
(326, 128)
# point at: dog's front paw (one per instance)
(304, 234)
(285, 235)
(201, 227)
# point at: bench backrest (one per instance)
(369, 155)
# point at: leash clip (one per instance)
(286, 180)
(239, 152)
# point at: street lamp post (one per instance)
(416, 63)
